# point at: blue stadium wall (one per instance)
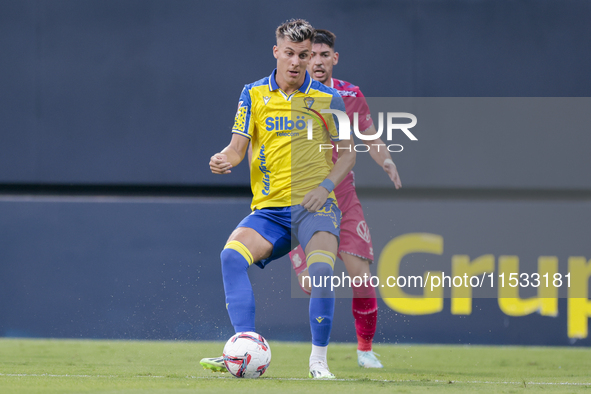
(113, 107)
(143, 267)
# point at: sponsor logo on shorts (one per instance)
(328, 212)
(363, 231)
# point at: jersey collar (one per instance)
(305, 88)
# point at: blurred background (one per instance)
(111, 223)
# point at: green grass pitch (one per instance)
(97, 366)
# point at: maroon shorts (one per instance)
(354, 239)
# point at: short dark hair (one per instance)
(296, 30)
(325, 37)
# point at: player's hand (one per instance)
(392, 172)
(315, 199)
(219, 164)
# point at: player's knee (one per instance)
(323, 240)
(356, 266)
(235, 256)
(358, 271)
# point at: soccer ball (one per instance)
(247, 355)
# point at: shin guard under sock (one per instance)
(320, 267)
(239, 295)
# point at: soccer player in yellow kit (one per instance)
(292, 182)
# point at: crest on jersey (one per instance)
(266, 99)
(308, 101)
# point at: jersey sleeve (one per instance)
(336, 103)
(359, 105)
(242, 121)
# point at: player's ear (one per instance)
(335, 59)
(275, 51)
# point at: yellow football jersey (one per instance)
(286, 164)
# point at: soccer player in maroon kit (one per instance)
(355, 247)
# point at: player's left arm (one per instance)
(379, 152)
(344, 163)
(315, 199)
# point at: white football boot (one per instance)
(319, 370)
(368, 359)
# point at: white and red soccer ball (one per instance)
(247, 355)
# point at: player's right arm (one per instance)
(233, 154)
(230, 156)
